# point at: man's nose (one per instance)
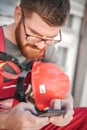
(40, 45)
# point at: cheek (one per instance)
(22, 35)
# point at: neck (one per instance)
(9, 32)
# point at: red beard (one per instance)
(31, 52)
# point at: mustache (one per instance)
(32, 46)
(29, 45)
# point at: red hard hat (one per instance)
(48, 82)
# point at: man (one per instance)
(36, 26)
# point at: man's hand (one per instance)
(62, 120)
(21, 118)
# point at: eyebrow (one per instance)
(37, 33)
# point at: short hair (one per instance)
(53, 12)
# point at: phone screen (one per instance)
(50, 112)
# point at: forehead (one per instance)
(36, 23)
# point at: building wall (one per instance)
(80, 86)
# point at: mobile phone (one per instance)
(50, 112)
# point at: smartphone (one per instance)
(50, 112)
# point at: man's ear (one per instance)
(17, 14)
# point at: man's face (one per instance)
(34, 26)
(30, 51)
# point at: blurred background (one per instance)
(72, 50)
